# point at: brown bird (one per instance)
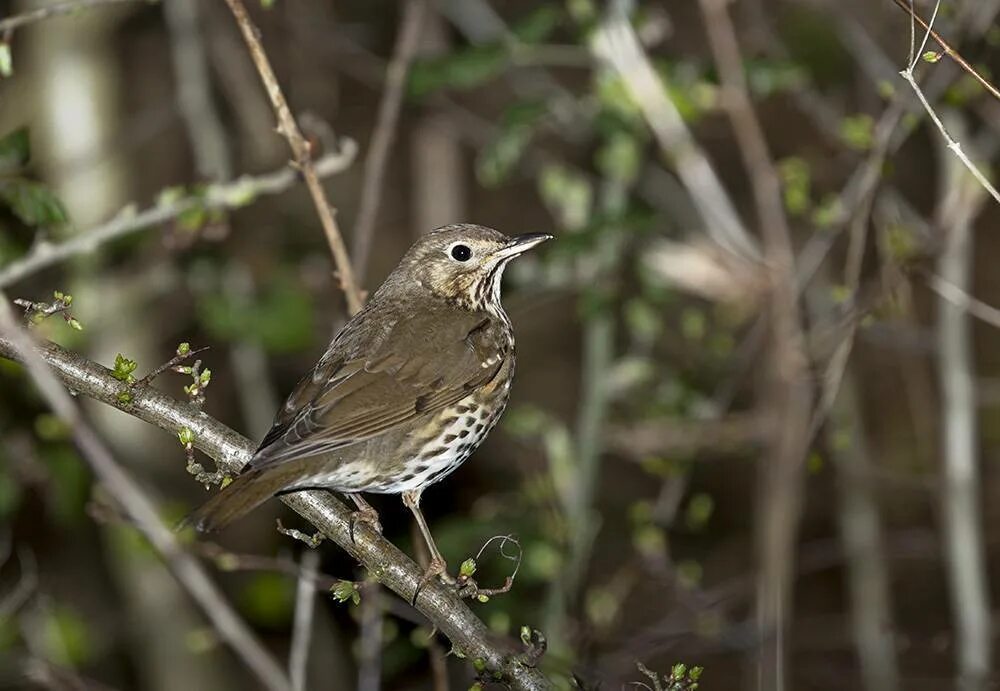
(406, 391)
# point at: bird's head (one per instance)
(461, 263)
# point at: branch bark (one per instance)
(230, 450)
(188, 570)
(301, 150)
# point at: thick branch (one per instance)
(231, 195)
(289, 129)
(230, 450)
(188, 570)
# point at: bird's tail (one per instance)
(244, 494)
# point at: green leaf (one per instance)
(281, 318)
(468, 568)
(65, 638)
(518, 126)
(538, 25)
(6, 60)
(32, 202)
(15, 150)
(464, 69)
(857, 131)
(269, 599)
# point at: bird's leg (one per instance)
(437, 566)
(366, 514)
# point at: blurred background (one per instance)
(756, 407)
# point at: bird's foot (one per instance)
(366, 515)
(437, 568)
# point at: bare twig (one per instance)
(789, 391)
(192, 78)
(217, 196)
(370, 643)
(19, 20)
(962, 300)
(188, 571)
(915, 57)
(181, 355)
(231, 451)
(616, 44)
(289, 129)
(961, 201)
(302, 628)
(380, 145)
(945, 46)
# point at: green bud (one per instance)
(124, 397)
(186, 436)
(479, 664)
(342, 591)
(226, 481)
(467, 568)
(74, 324)
(483, 597)
(205, 377)
(184, 349)
(526, 635)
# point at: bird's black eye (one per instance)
(461, 253)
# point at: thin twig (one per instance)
(915, 56)
(170, 364)
(370, 643)
(954, 146)
(616, 44)
(380, 145)
(301, 150)
(232, 451)
(193, 81)
(30, 17)
(230, 195)
(964, 542)
(789, 390)
(188, 571)
(302, 628)
(962, 300)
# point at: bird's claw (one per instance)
(438, 567)
(367, 516)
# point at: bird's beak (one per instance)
(522, 243)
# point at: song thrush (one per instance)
(406, 391)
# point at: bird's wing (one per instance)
(418, 367)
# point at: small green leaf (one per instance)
(538, 25)
(931, 56)
(479, 664)
(32, 202)
(343, 591)
(464, 69)
(483, 597)
(467, 568)
(124, 368)
(857, 131)
(15, 150)
(184, 349)
(185, 435)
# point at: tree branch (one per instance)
(230, 450)
(385, 130)
(230, 195)
(188, 570)
(289, 129)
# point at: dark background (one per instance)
(659, 381)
